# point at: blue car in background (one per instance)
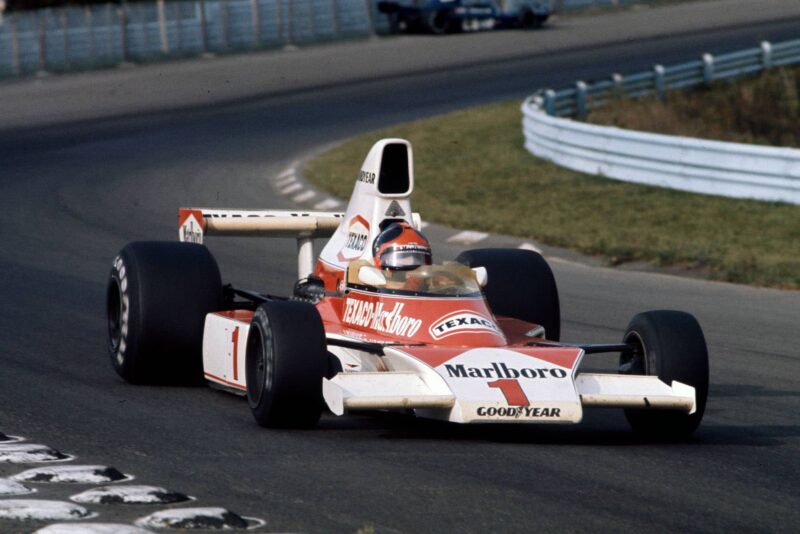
(450, 16)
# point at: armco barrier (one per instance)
(701, 166)
(578, 99)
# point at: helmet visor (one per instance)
(405, 257)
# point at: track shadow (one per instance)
(600, 428)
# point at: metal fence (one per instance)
(577, 100)
(85, 37)
(70, 38)
(697, 165)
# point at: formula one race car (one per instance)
(374, 324)
(449, 16)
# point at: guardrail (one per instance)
(701, 166)
(578, 99)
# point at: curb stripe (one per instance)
(286, 181)
(327, 204)
(286, 172)
(467, 237)
(305, 195)
(291, 188)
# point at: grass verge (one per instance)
(763, 110)
(473, 172)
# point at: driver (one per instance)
(400, 247)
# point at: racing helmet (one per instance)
(401, 247)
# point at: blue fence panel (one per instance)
(354, 17)
(7, 51)
(241, 31)
(270, 22)
(29, 50)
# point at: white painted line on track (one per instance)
(41, 510)
(286, 181)
(327, 204)
(72, 474)
(12, 487)
(30, 453)
(291, 188)
(468, 237)
(529, 246)
(91, 528)
(197, 518)
(304, 196)
(287, 172)
(130, 495)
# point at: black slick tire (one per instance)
(521, 285)
(670, 345)
(286, 360)
(527, 20)
(439, 22)
(158, 295)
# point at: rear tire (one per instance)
(521, 285)
(287, 358)
(527, 20)
(439, 22)
(670, 345)
(157, 299)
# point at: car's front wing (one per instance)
(513, 384)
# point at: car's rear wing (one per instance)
(195, 223)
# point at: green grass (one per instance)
(473, 172)
(763, 109)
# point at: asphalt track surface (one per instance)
(75, 191)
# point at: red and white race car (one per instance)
(373, 324)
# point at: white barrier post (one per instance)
(708, 69)
(617, 78)
(580, 98)
(550, 102)
(766, 55)
(658, 70)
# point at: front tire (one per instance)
(157, 299)
(287, 358)
(670, 345)
(521, 285)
